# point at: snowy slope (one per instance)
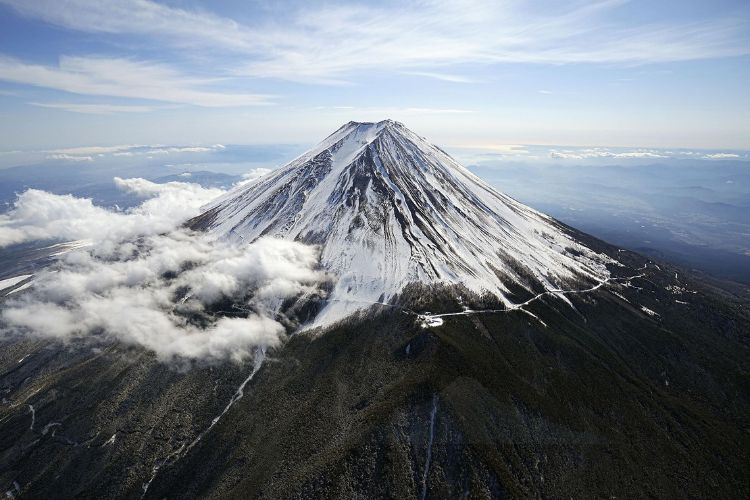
(389, 208)
(7, 284)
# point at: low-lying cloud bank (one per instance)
(148, 282)
(39, 215)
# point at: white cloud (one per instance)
(141, 17)
(366, 113)
(582, 154)
(86, 153)
(121, 77)
(67, 157)
(445, 77)
(435, 111)
(94, 109)
(182, 149)
(721, 156)
(325, 43)
(136, 299)
(332, 41)
(94, 150)
(589, 153)
(41, 215)
(505, 148)
(150, 283)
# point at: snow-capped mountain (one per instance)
(639, 389)
(388, 208)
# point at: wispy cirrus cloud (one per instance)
(95, 109)
(445, 77)
(429, 37)
(123, 77)
(328, 43)
(376, 112)
(133, 57)
(142, 17)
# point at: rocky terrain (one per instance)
(607, 375)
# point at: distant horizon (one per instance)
(227, 273)
(532, 153)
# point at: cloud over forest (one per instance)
(149, 282)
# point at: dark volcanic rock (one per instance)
(606, 400)
(578, 385)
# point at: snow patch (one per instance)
(21, 288)
(33, 417)
(388, 209)
(11, 282)
(649, 311)
(430, 321)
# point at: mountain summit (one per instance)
(388, 208)
(594, 373)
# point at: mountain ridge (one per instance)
(636, 389)
(388, 208)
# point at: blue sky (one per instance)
(464, 74)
